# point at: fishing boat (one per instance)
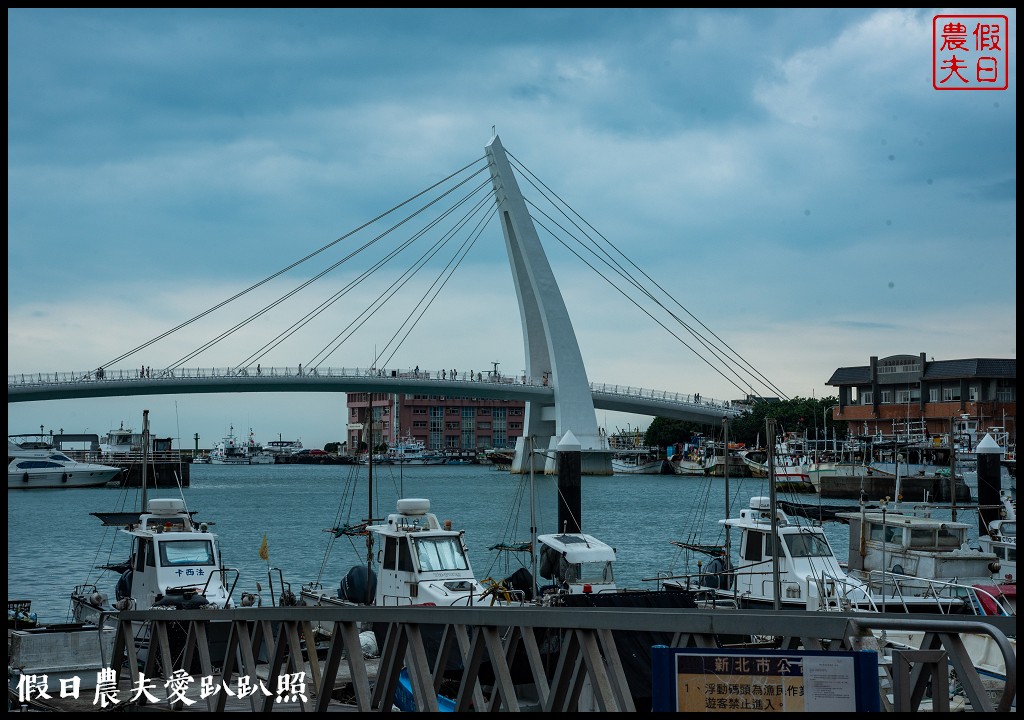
(42, 466)
(1001, 540)
(787, 563)
(408, 450)
(230, 451)
(171, 561)
(912, 556)
(643, 462)
(717, 456)
(789, 469)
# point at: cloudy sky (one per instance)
(790, 177)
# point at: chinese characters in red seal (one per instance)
(970, 52)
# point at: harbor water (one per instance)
(55, 544)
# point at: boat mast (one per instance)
(952, 470)
(728, 546)
(369, 512)
(776, 580)
(533, 525)
(145, 454)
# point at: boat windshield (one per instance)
(186, 552)
(808, 545)
(440, 553)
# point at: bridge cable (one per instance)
(546, 191)
(390, 292)
(337, 295)
(319, 275)
(287, 268)
(632, 281)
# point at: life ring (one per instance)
(24, 478)
(64, 477)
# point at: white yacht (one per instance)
(122, 441)
(47, 467)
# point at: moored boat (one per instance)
(48, 467)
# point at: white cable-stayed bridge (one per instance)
(429, 236)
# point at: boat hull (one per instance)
(28, 480)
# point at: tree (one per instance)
(799, 415)
(666, 431)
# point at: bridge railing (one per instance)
(665, 395)
(113, 375)
(129, 374)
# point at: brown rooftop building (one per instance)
(913, 395)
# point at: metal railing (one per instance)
(275, 642)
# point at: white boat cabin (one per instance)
(919, 546)
(421, 561)
(576, 563)
(810, 575)
(174, 563)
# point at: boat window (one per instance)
(808, 545)
(1011, 554)
(769, 546)
(390, 553)
(147, 551)
(139, 555)
(885, 533)
(595, 572)
(444, 553)
(752, 551)
(1008, 529)
(950, 538)
(922, 538)
(186, 552)
(38, 464)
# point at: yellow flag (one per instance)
(264, 550)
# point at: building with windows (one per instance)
(911, 395)
(440, 423)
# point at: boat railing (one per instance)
(223, 580)
(838, 593)
(943, 592)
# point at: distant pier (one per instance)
(164, 470)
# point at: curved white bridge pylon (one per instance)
(548, 336)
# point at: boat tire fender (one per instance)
(64, 477)
(123, 589)
(24, 478)
(715, 575)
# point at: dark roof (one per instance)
(851, 376)
(974, 367)
(937, 370)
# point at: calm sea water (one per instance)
(54, 543)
